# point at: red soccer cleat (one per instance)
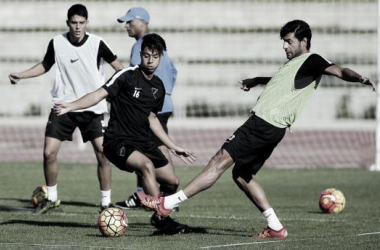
(270, 233)
(154, 203)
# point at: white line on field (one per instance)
(267, 242)
(62, 246)
(244, 244)
(364, 234)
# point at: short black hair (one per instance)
(77, 9)
(154, 42)
(301, 30)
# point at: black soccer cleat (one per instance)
(168, 226)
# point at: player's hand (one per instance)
(243, 86)
(14, 77)
(61, 108)
(186, 155)
(247, 84)
(367, 81)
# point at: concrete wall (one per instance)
(213, 44)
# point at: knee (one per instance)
(175, 183)
(50, 155)
(170, 187)
(147, 168)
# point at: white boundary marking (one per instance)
(267, 242)
(364, 234)
(246, 243)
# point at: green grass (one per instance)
(221, 217)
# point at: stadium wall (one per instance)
(213, 45)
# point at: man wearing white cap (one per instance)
(136, 23)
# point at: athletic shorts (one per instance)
(62, 127)
(163, 118)
(252, 144)
(118, 151)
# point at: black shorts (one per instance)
(62, 127)
(163, 118)
(252, 144)
(118, 151)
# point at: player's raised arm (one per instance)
(247, 84)
(349, 75)
(34, 71)
(86, 101)
(186, 155)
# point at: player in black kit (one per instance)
(136, 96)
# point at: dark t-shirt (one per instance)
(132, 98)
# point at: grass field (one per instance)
(220, 218)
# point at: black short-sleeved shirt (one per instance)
(132, 98)
(103, 52)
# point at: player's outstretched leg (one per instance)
(253, 190)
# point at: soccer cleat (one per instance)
(102, 208)
(154, 203)
(166, 225)
(130, 203)
(270, 233)
(46, 205)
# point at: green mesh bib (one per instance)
(280, 103)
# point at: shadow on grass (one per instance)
(136, 227)
(143, 228)
(49, 223)
(16, 209)
(208, 231)
(67, 203)
(190, 230)
(78, 204)
(16, 199)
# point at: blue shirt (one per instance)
(165, 71)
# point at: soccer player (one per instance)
(136, 23)
(136, 96)
(277, 108)
(79, 58)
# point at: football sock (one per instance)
(273, 221)
(52, 193)
(172, 200)
(140, 190)
(105, 197)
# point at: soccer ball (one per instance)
(112, 222)
(332, 201)
(39, 194)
